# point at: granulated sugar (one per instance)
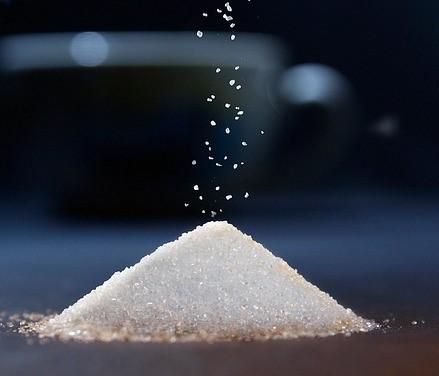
(213, 283)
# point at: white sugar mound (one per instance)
(213, 283)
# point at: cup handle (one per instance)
(313, 85)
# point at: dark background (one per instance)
(388, 50)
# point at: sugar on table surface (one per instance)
(211, 283)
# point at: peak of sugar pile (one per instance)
(213, 283)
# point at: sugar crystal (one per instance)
(213, 283)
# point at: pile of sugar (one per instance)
(213, 283)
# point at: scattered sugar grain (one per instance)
(229, 197)
(199, 34)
